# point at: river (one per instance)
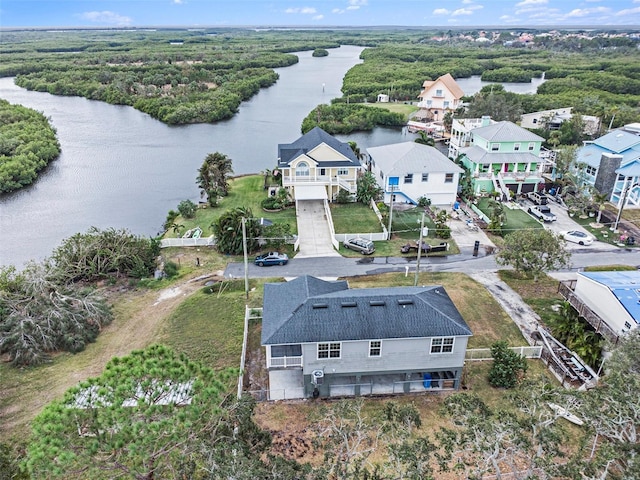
(121, 168)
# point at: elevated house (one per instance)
(317, 165)
(323, 339)
(410, 170)
(501, 156)
(611, 164)
(553, 120)
(609, 301)
(439, 97)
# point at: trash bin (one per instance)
(426, 380)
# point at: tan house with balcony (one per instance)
(317, 166)
(439, 97)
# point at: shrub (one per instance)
(187, 208)
(508, 367)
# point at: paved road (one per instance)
(464, 262)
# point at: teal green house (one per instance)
(501, 156)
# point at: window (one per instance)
(531, 146)
(328, 350)
(442, 345)
(343, 171)
(302, 170)
(439, 93)
(446, 104)
(627, 325)
(408, 178)
(448, 178)
(375, 348)
(429, 103)
(495, 147)
(323, 171)
(516, 147)
(591, 170)
(425, 177)
(535, 120)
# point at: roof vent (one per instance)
(320, 305)
(349, 304)
(405, 301)
(377, 303)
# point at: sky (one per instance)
(211, 13)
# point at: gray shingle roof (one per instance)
(407, 157)
(311, 310)
(506, 132)
(290, 151)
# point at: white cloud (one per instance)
(353, 7)
(358, 3)
(178, 2)
(337, 10)
(467, 2)
(628, 11)
(302, 10)
(318, 17)
(462, 11)
(529, 3)
(106, 18)
(585, 12)
(441, 11)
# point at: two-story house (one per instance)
(324, 339)
(611, 164)
(553, 120)
(317, 165)
(501, 156)
(439, 97)
(410, 170)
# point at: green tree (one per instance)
(442, 229)
(187, 209)
(497, 217)
(213, 176)
(532, 252)
(228, 231)
(147, 416)
(508, 367)
(425, 139)
(367, 188)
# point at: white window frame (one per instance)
(343, 171)
(373, 348)
(516, 147)
(331, 347)
(448, 177)
(591, 170)
(425, 177)
(439, 93)
(495, 147)
(532, 146)
(300, 169)
(439, 344)
(408, 178)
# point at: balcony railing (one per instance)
(285, 362)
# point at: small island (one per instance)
(320, 52)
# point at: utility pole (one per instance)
(246, 258)
(415, 280)
(625, 192)
(390, 211)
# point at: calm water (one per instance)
(120, 168)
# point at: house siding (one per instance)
(601, 300)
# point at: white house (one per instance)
(553, 120)
(410, 170)
(613, 296)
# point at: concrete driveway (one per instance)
(313, 230)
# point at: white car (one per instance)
(578, 237)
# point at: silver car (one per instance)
(361, 245)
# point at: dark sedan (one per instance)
(271, 258)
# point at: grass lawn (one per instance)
(403, 108)
(354, 218)
(245, 191)
(601, 232)
(517, 219)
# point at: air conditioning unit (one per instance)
(317, 377)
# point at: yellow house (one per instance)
(317, 166)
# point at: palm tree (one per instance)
(424, 139)
(600, 199)
(214, 174)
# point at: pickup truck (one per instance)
(542, 212)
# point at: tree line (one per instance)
(28, 143)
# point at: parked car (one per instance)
(578, 237)
(538, 198)
(271, 258)
(542, 212)
(362, 245)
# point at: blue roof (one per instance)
(618, 142)
(625, 286)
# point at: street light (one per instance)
(625, 192)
